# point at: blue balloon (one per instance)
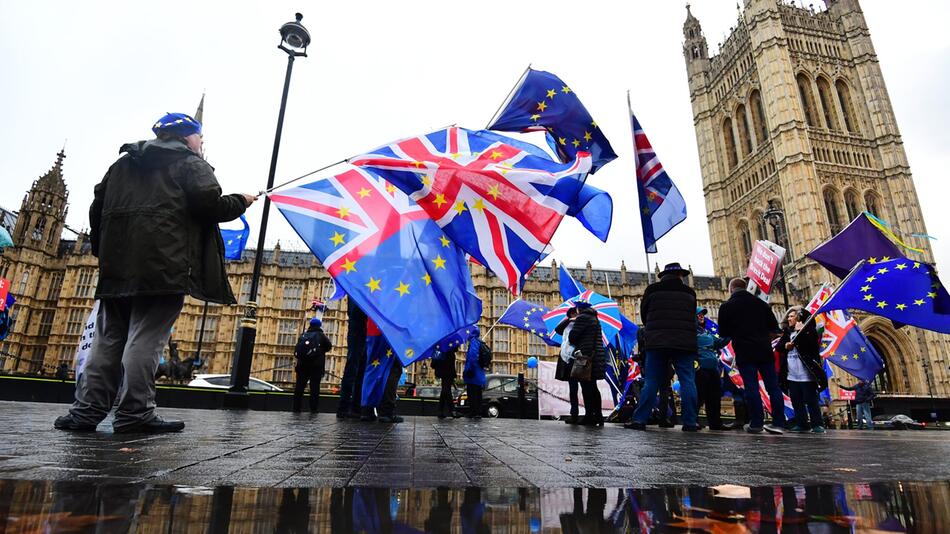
(532, 362)
(676, 386)
(534, 524)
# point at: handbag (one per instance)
(581, 368)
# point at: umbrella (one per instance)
(607, 312)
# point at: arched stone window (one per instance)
(758, 117)
(745, 239)
(872, 203)
(808, 99)
(828, 104)
(852, 204)
(831, 209)
(730, 141)
(745, 138)
(761, 225)
(847, 107)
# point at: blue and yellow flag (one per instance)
(902, 290)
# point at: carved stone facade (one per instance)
(793, 113)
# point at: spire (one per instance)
(694, 43)
(199, 113)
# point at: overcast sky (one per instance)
(379, 71)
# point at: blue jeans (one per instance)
(864, 412)
(750, 379)
(656, 371)
(805, 401)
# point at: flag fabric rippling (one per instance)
(661, 205)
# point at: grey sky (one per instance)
(378, 71)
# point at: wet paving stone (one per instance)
(268, 448)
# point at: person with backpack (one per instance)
(311, 353)
(477, 359)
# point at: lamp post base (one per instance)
(237, 396)
(236, 400)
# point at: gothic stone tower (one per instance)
(793, 114)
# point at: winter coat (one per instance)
(707, 348)
(668, 310)
(154, 225)
(586, 336)
(563, 370)
(809, 352)
(307, 358)
(473, 373)
(444, 365)
(749, 323)
(864, 392)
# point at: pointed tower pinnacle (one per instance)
(199, 113)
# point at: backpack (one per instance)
(484, 355)
(308, 348)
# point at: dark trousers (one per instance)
(573, 386)
(805, 401)
(311, 374)
(387, 406)
(592, 408)
(667, 403)
(474, 399)
(351, 385)
(710, 395)
(753, 399)
(445, 398)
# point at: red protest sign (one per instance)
(763, 266)
(4, 290)
(844, 394)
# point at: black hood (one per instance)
(156, 153)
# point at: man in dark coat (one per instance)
(587, 337)
(750, 324)
(668, 310)
(444, 367)
(311, 353)
(351, 385)
(154, 227)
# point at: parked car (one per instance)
(428, 392)
(897, 422)
(224, 382)
(500, 398)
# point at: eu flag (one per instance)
(860, 240)
(379, 362)
(388, 256)
(528, 316)
(235, 240)
(902, 290)
(543, 102)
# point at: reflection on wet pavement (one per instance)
(47, 506)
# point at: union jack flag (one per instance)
(843, 344)
(608, 313)
(385, 253)
(661, 205)
(499, 199)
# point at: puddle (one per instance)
(47, 506)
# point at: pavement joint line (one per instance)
(452, 452)
(370, 455)
(513, 470)
(172, 470)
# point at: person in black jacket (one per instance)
(587, 337)
(750, 324)
(444, 367)
(154, 228)
(862, 400)
(311, 353)
(668, 310)
(801, 370)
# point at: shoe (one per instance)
(797, 429)
(690, 428)
(68, 422)
(721, 427)
(754, 430)
(772, 429)
(666, 424)
(156, 425)
(592, 422)
(818, 430)
(390, 419)
(633, 425)
(572, 420)
(341, 415)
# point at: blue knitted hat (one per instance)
(177, 124)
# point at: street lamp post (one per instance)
(294, 39)
(774, 216)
